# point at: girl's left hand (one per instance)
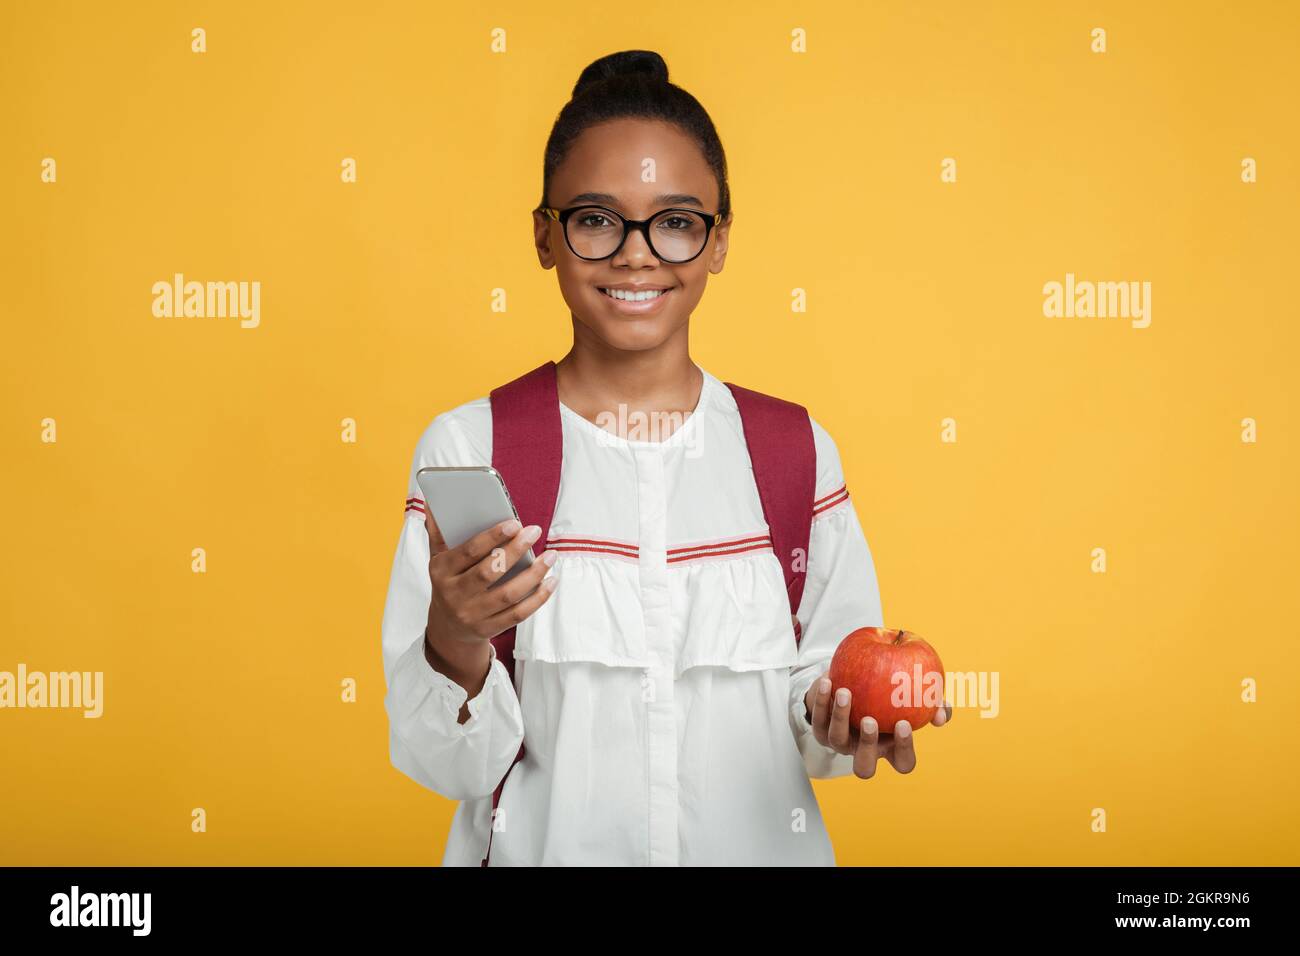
(830, 725)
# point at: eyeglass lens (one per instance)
(675, 234)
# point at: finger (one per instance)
(821, 710)
(469, 553)
(508, 618)
(481, 576)
(838, 733)
(865, 757)
(903, 759)
(495, 600)
(942, 715)
(436, 544)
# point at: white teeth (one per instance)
(633, 296)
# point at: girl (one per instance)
(669, 716)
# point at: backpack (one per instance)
(527, 445)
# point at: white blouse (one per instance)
(658, 689)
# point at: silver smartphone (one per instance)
(466, 501)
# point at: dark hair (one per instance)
(633, 83)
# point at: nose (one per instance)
(635, 249)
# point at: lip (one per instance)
(648, 307)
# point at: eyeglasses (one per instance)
(595, 232)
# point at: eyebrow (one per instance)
(663, 199)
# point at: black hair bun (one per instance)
(623, 63)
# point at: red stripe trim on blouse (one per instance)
(720, 543)
(601, 542)
(841, 488)
(830, 501)
(764, 545)
(593, 546)
(621, 554)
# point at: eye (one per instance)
(593, 220)
(682, 222)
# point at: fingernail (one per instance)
(842, 696)
(510, 527)
(902, 729)
(868, 725)
(824, 686)
(532, 533)
(548, 582)
(548, 558)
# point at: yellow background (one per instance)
(222, 690)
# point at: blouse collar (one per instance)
(681, 434)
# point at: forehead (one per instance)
(636, 161)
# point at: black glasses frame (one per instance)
(562, 217)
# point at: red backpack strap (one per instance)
(781, 449)
(527, 447)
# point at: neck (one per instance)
(593, 378)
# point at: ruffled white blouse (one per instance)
(659, 689)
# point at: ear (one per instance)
(542, 233)
(720, 236)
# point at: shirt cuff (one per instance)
(452, 694)
(820, 760)
(798, 690)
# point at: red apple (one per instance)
(892, 674)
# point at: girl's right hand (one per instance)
(463, 613)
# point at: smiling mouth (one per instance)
(620, 295)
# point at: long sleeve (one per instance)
(426, 740)
(840, 595)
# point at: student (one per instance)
(667, 715)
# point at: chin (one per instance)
(631, 335)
